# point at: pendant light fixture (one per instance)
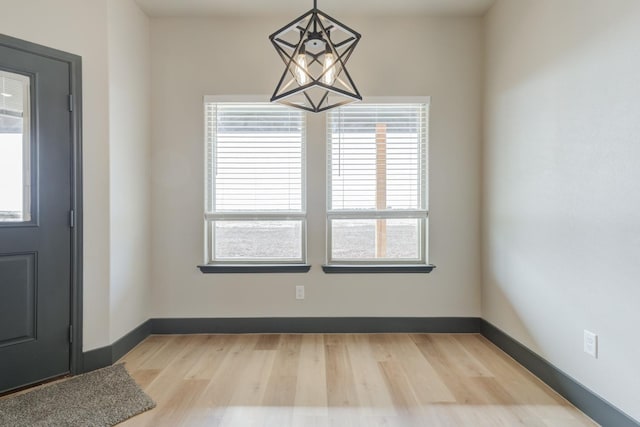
(315, 48)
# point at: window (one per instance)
(15, 148)
(255, 183)
(377, 184)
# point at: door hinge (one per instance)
(70, 333)
(72, 218)
(70, 102)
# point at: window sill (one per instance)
(254, 268)
(351, 269)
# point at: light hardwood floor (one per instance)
(340, 380)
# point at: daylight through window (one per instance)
(377, 184)
(255, 183)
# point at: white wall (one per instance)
(80, 27)
(440, 57)
(129, 174)
(112, 37)
(562, 185)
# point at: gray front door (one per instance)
(35, 228)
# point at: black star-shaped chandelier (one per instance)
(315, 48)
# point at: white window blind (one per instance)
(377, 183)
(256, 153)
(255, 207)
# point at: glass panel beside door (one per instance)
(15, 148)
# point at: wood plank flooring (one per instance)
(340, 380)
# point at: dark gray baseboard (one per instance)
(130, 340)
(591, 404)
(108, 355)
(96, 359)
(328, 325)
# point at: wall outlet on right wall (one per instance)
(591, 343)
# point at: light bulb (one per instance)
(301, 69)
(329, 68)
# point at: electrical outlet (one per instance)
(300, 292)
(591, 343)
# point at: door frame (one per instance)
(74, 63)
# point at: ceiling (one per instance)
(188, 8)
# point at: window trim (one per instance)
(377, 268)
(254, 268)
(265, 265)
(343, 265)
